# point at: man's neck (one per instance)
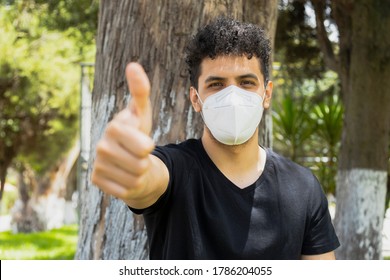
(241, 164)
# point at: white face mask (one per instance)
(232, 114)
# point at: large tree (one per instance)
(153, 33)
(362, 62)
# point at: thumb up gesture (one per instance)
(139, 104)
(124, 166)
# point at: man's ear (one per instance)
(268, 94)
(195, 100)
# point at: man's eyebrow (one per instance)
(252, 76)
(245, 76)
(214, 78)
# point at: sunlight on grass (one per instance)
(56, 244)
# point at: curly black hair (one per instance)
(227, 36)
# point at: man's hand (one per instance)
(123, 165)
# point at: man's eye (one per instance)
(214, 85)
(247, 83)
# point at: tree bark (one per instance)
(153, 33)
(364, 71)
(265, 14)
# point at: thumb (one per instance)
(139, 87)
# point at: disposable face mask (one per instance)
(232, 114)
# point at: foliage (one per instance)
(308, 126)
(329, 116)
(293, 124)
(308, 113)
(77, 18)
(41, 102)
(296, 44)
(9, 199)
(330, 126)
(39, 85)
(56, 244)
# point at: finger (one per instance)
(127, 118)
(117, 186)
(117, 157)
(139, 104)
(139, 87)
(108, 171)
(130, 138)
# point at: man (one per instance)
(222, 196)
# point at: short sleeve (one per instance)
(320, 236)
(164, 156)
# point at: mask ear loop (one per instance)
(196, 91)
(201, 102)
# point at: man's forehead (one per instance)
(222, 66)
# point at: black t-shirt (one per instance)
(203, 215)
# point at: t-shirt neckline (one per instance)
(233, 186)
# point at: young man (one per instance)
(222, 196)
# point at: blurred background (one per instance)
(47, 68)
(46, 47)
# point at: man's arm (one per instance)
(326, 256)
(124, 166)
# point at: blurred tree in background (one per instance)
(76, 18)
(305, 128)
(348, 103)
(41, 46)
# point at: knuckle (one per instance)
(145, 150)
(112, 129)
(144, 165)
(97, 169)
(95, 178)
(137, 183)
(98, 174)
(128, 194)
(102, 148)
(125, 117)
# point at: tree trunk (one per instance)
(24, 215)
(41, 204)
(363, 67)
(153, 33)
(265, 14)
(7, 155)
(3, 175)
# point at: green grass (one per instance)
(56, 244)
